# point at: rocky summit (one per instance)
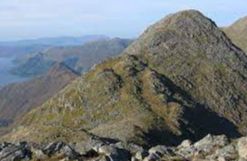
(182, 79)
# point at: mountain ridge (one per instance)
(19, 98)
(80, 58)
(237, 32)
(183, 78)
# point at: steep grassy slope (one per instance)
(79, 58)
(237, 32)
(17, 99)
(181, 79)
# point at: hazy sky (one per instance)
(21, 19)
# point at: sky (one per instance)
(27, 19)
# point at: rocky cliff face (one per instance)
(237, 32)
(183, 78)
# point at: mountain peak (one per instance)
(189, 27)
(182, 16)
(237, 32)
(183, 20)
(184, 34)
(242, 23)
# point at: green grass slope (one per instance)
(19, 98)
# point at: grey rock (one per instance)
(242, 148)
(208, 143)
(140, 155)
(152, 157)
(60, 148)
(210, 148)
(228, 152)
(161, 150)
(114, 153)
(185, 144)
(11, 152)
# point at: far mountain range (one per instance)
(22, 60)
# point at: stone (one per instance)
(208, 143)
(219, 149)
(134, 159)
(60, 148)
(133, 148)
(222, 159)
(107, 150)
(187, 152)
(185, 144)
(11, 152)
(39, 154)
(161, 150)
(140, 155)
(152, 157)
(242, 148)
(114, 153)
(228, 152)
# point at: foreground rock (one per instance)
(210, 148)
(20, 151)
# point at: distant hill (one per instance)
(17, 99)
(181, 79)
(80, 58)
(15, 51)
(55, 41)
(237, 32)
(17, 48)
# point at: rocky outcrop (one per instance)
(12, 152)
(210, 148)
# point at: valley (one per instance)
(6, 64)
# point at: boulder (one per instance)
(140, 155)
(242, 148)
(11, 152)
(210, 142)
(114, 153)
(60, 148)
(185, 144)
